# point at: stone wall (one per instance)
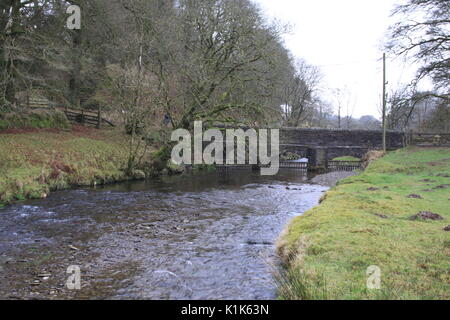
(428, 139)
(321, 145)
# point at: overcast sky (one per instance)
(344, 38)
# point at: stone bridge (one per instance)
(321, 145)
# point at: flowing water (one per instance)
(203, 236)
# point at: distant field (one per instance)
(367, 220)
(346, 158)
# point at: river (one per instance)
(203, 236)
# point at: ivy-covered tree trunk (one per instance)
(11, 34)
(75, 77)
(3, 22)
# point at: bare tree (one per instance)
(339, 101)
(350, 105)
(399, 108)
(422, 34)
(412, 110)
(322, 114)
(438, 119)
(299, 93)
(124, 89)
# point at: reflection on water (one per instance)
(206, 236)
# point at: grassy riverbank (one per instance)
(34, 162)
(366, 220)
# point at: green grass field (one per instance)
(346, 158)
(365, 221)
(35, 162)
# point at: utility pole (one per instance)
(384, 102)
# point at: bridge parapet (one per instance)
(340, 137)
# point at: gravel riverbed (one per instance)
(330, 179)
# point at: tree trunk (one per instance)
(75, 79)
(339, 117)
(11, 63)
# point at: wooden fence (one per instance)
(85, 117)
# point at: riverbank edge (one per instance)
(308, 265)
(42, 161)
